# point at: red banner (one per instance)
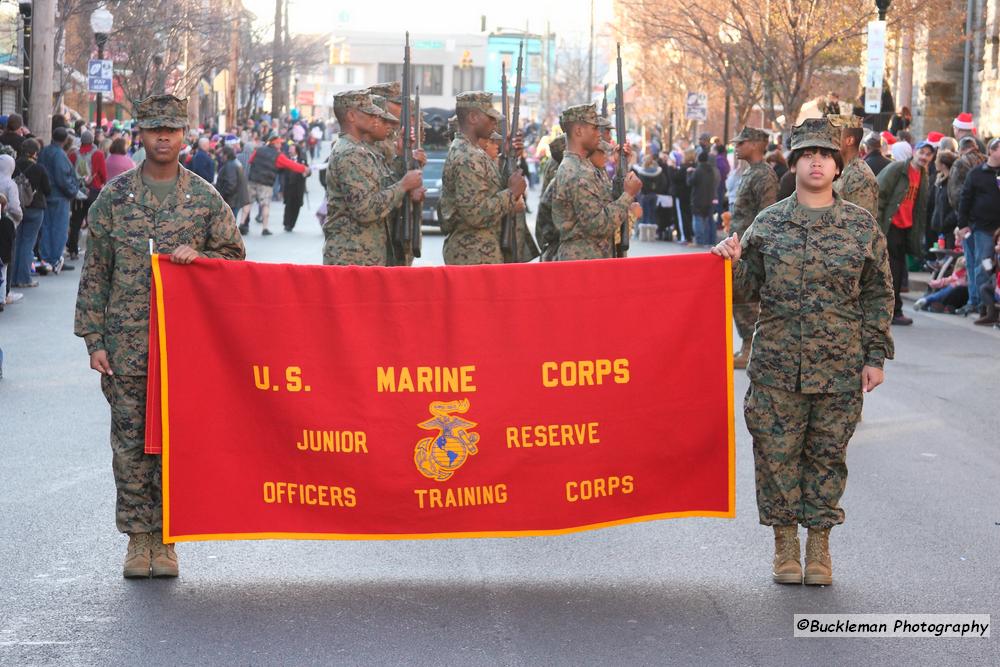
(320, 402)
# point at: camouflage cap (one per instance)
(558, 143)
(605, 147)
(751, 134)
(816, 133)
(604, 123)
(581, 113)
(453, 124)
(392, 91)
(356, 99)
(161, 111)
(496, 137)
(846, 121)
(381, 103)
(478, 100)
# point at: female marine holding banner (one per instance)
(820, 267)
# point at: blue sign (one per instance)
(100, 76)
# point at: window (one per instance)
(389, 72)
(349, 76)
(467, 78)
(428, 77)
(533, 69)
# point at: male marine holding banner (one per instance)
(162, 208)
(820, 268)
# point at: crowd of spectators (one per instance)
(939, 199)
(46, 191)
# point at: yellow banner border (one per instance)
(165, 461)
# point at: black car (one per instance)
(432, 181)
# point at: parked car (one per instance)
(432, 181)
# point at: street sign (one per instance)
(100, 76)
(696, 107)
(876, 54)
(873, 99)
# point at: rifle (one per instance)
(618, 185)
(418, 207)
(604, 103)
(403, 228)
(508, 230)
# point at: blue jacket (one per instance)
(62, 176)
(203, 165)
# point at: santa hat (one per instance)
(888, 138)
(963, 122)
(934, 138)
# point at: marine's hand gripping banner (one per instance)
(355, 402)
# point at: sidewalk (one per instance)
(918, 288)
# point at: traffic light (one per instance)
(466, 59)
(340, 54)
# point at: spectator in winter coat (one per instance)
(979, 219)
(704, 183)
(903, 190)
(13, 136)
(202, 162)
(65, 186)
(118, 160)
(873, 154)
(232, 181)
(34, 213)
(92, 170)
(944, 219)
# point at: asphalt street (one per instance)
(922, 536)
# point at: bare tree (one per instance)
(570, 80)
(257, 75)
(768, 51)
(168, 46)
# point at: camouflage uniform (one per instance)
(361, 193)
(582, 209)
(556, 148)
(112, 306)
(758, 190)
(826, 299)
(545, 229)
(395, 168)
(857, 185)
(959, 171)
(473, 202)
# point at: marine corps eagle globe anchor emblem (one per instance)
(439, 457)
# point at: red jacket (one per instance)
(98, 167)
(284, 162)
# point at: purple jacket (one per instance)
(722, 162)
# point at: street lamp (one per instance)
(883, 7)
(101, 22)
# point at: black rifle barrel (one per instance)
(621, 248)
(418, 207)
(406, 223)
(509, 230)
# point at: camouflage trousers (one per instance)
(800, 453)
(139, 506)
(745, 314)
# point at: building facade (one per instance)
(442, 66)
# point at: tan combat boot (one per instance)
(819, 566)
(137, 556)
(787, 566)
(743, 356)
(164, 563)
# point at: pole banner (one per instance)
(314, 402)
